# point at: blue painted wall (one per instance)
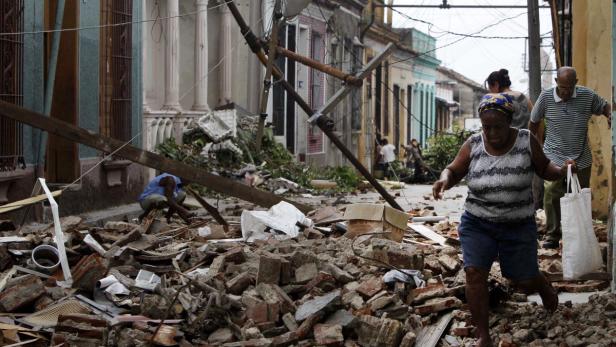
(89, 57)
(33, 73)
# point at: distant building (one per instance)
(467, 93)
(97, 86)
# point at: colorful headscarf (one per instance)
(497, 101)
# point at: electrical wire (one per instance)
(109, 25)
(448, 32)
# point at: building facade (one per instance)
(467, 94)
(96, 87)
(194, 60)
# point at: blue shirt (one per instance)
(154, 186)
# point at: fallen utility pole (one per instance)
(330, 70)
(267, 81)
(152, 160)
(342, 93)
(324, 123)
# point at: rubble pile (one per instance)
(159, 284)
(224, 143)
(590, 324)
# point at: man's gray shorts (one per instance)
(159, 201)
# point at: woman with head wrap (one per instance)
(499, 82)
(499, 218)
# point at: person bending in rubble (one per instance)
(499, 218)
(164, 191)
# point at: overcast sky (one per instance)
(474, 57)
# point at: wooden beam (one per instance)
(593, 276)
(15, 205)
(211, 209)
(152, 160)
(330, 70)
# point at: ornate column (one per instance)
(172, 57)
(201, 57)
(146, 60)
(225, 51)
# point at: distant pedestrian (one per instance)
(499, 82)
(388, 152)
(414, 160)
(567, 108)
(164, 191)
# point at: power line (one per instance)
(460, 39)
(109, 25)
(447, 32)
(409, 112)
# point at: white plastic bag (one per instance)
(279, 222)
(581, 253)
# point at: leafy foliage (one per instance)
(443, 148)
(273, 159)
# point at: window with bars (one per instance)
(115, 69)
(317, 52)
(11, 82)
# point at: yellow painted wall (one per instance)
(592, 58)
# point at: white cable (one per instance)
(110, 25)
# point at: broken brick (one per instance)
(339, 274)
(88, 271)
(6, 260)
(370, 287)
(269, 269)
(397, 254)
(328, 335)
(343, 318)
(301, 257)
(450, 263)
(373, 331)
(462, 330)
(23, 291)
(428, 292)
(286, 271)
(80, 330)
(239, 283)
(587, 286)
(273, 294)
(221, 335)
(262, 312)
(438, 305)
(235, 255)
(305, 273)
(408, 340)
(322, 280)
(317, 305)
(289, 321)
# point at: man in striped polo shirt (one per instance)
(567, 108)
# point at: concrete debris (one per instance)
(173, 286)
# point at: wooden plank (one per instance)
(430, 336)
(597, 276)
(15, 205)
(211, 209)
(152, 160)
(428, 233)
